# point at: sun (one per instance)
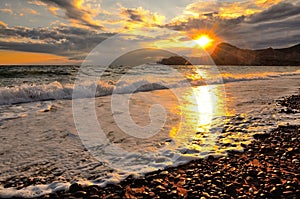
(204, 41)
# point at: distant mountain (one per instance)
(175, 60)
(227, 54)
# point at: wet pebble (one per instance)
(295, 161)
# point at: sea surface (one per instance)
(95, 125)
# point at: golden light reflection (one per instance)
(199, 107)
(195, 120)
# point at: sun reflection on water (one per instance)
(198, 122)
(202, 108)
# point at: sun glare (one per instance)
(203, 40)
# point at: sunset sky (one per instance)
(65, 31)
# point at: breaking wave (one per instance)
(58, 91)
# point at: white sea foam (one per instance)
(33, 191)
(57, 91)
(229, 77)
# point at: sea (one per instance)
(98, 125)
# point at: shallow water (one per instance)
(39, 139)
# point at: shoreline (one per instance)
(264, 170)
(269, 167)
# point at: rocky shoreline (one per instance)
(269, 167)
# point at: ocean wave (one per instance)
(32, 92)
(58, 91)
(229, 77)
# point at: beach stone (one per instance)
(287, 193)
(251, 190)
(261, 136)
(207, 176)
(75, 187)
(159, 187)
(79, 194)
(151, 194)
(231, 188)
(282, 158)
(164, 173)
(275, 192)
(110, 196)
(92, 190)
(289, 188)
(94, 197)
(205, 194)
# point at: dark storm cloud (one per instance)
(281, 42)
(29, 47)
(74, 12)
(132, 14)
(277, 12)
(63, 40)
(206, 23)
(277, 26)
(272, 34)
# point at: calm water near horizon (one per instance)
(206, 112)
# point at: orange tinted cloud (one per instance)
(4, 25)
(140, 17)
(266, 3)
(75, 11)
(6, 10)
(237, 9)
(33, 12)
(16, 57)
(225, 9)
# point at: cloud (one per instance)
(74, 11)
(132, 14)
(270, 33)
(3, 25)
(6, 10)
(31, 11)
(37, 2)
(26, 11)
(265, 3)
(62, 40)
(275, 26)
(139, 17)
(277, 12)
(224, 9)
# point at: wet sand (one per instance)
(269, 167)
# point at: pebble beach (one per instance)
(269, 167)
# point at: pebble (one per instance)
(75, 187)
(79, 194)
(251, 190)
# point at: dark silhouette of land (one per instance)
(227, 54)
